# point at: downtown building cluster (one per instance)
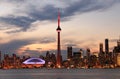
(101, 59)
(15, 62)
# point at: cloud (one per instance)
(14, 45)
(32, 53)
(113, 40)
(47, 40)
(70, 43)
(26, 12)
(22, 22)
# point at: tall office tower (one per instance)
(88, 52)
(118, 42)
(0, 58)
(101, 48)
(59, 57)
(106, 46)
(69, 52)
(116, 53)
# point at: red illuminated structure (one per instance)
(59, 57)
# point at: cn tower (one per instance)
(59, 57)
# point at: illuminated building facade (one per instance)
(116, 53)
(102, 55)
(118, 59)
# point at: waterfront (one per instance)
(60, 74)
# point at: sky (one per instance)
(28, 27)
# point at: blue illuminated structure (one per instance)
(34, 61)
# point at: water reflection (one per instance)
(60, 74)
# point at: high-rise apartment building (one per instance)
(101, 48)
(106, 46)
(69, 52)
(0, 58)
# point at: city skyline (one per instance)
(29, 29)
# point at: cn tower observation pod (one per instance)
(34, 61)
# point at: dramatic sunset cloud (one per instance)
(32, 24)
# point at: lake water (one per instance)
(60, 74)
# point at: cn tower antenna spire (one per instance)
(58, 17)
(58, 29)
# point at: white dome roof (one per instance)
(34, 61)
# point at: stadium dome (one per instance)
(34, 61)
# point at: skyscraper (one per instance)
(59, 57)
(101, 48)
(106, 46)
(69, 52)
(116, 53)
(118, 42)
(0, 58)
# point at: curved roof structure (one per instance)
(34, 61)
